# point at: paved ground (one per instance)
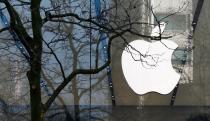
(157, 113)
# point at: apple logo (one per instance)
(157, 30)
(147, 66)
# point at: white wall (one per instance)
(172, 5)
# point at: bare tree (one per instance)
(56, 36)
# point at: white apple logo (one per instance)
(152, 71)
(157, 30)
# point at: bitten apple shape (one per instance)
(147, 66)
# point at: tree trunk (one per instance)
(76, 100)
(75, 91)
(34, 74)
(35, 96)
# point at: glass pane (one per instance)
(181, 56)
(175, 22)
